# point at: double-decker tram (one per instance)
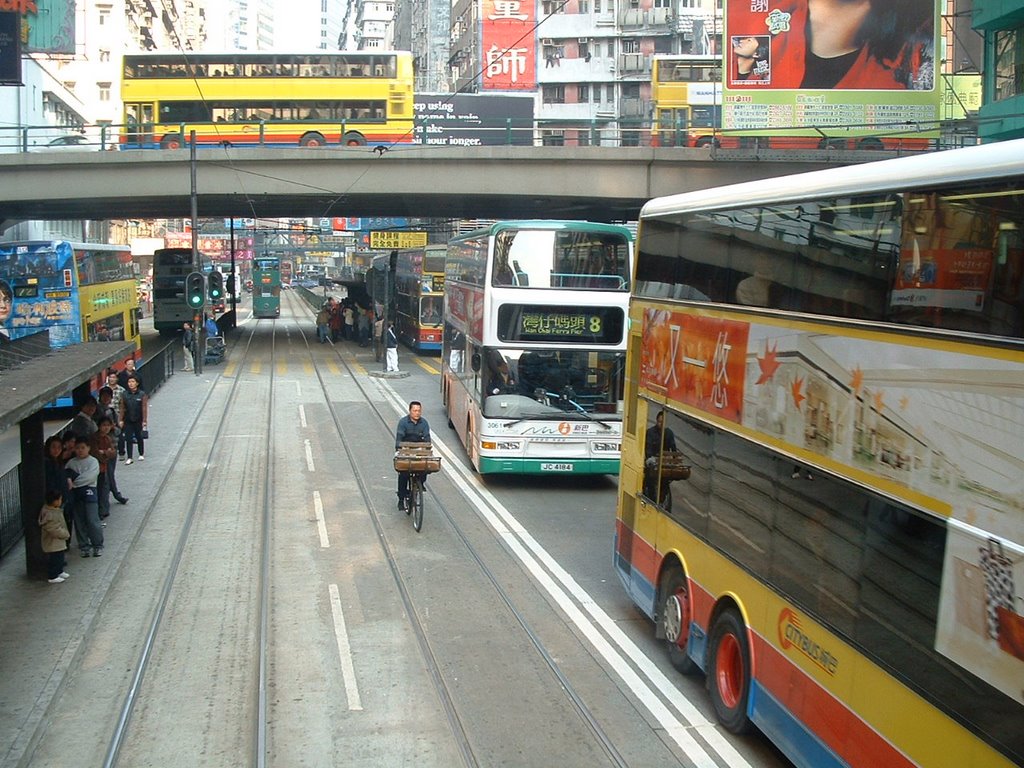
(532, 360)
(821, 501)
(75, 291)
(170, 268)
(419, 296)
(266, 286)
(267, 99)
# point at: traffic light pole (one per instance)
(198, 327)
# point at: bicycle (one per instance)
(418, 460)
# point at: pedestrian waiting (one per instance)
(54, 537)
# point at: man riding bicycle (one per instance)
(411, 429)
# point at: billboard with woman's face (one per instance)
(851, 68)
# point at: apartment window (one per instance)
(323, 6)
(104, 91)
(662, 3)
(553, 94)
(104, 55)
(550, 7)
(584, 6)
(597, 6)
(104, 12)
(610, 93)
(582, 94)
(1009, 63)
(630, 45)
(611, 49)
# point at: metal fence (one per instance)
(157, 368)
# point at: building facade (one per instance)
(1001, 22)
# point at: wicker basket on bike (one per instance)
(416, 457)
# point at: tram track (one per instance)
(157, 629)
(436, 507)
(252, 640)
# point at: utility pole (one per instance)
(198, 329)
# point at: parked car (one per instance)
(70, 142)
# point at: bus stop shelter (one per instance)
(24, 391)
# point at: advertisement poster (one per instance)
(936, 427)
(47, 26)
(509, 45)
(473, 120)
(867, 69)
(10, 48)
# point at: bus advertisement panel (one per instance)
(532, 359)
(77, 292)
(820, 501)
(779, 81)
(267, 99)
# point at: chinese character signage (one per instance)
(867, 69)
(508, 43)
(567, 325)
(398, 239)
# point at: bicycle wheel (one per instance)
(416, 502)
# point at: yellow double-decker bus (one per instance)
(268, 99)
(821, 502)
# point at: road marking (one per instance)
(302, 415)
(309, 456)
(348, 670)
(229, 369)
(256, 367)
(282, 367)
(333, 368)
(321, 525)
(564, 590)
(427, 367)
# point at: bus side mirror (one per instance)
(474, 362)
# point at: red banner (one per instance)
(698, 361)
(509, 49)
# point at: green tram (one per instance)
(266, 286)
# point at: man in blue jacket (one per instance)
(411, 429)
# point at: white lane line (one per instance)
(302, 415)
(321, 526)
(348, 669)
(309, 456)
(531, 554)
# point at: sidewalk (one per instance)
(44, 624)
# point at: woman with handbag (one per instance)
(134, 416)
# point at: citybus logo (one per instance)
(792, 636)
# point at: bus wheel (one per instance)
(708, 141)
(872, 143)
(674, 620)
(312, 140)
(353, 139)
(174, 141)
(729, 671)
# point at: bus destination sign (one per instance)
(580, 325)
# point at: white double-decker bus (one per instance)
(534, 345)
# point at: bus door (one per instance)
(673, 126)
(138, 119)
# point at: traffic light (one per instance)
(195, 290)
(231, 283)
(216, 287)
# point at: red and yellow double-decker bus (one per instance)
(820, 503)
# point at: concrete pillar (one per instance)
(32, 476)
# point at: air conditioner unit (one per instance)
(546, 41)
(584, 40)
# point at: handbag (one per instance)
(145, 434)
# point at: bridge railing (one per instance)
(595, 132)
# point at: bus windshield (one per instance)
(561, 259)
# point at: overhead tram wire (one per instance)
(399, 141)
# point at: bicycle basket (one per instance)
(416, 457)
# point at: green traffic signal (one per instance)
(195, 290)
(216, 286)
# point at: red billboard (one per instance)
(509, 45)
